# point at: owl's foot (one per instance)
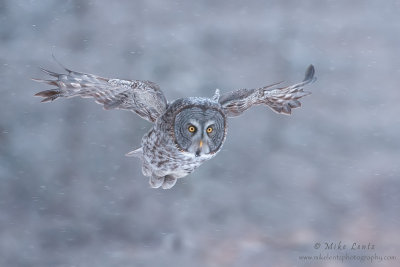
(169, 182)
(156, 182)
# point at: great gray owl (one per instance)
(187, 131)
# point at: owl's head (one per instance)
(200, 127)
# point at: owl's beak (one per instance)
(198, 151)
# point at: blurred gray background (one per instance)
(328, 173)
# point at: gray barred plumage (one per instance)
(187, 131)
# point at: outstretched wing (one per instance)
(281, 100)
(142, 97)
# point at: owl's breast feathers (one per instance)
(161, 156)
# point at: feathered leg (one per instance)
(156, 182)
(169, 182)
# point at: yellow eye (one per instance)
(192, 129)
(209, 130)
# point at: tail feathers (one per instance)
(135, 153)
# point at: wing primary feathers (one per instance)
(280, 100)
(50, 82)
(270, 85)
(144, 98)
(309, 76)
(49, 72)
(49, 95)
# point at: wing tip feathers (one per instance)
(309, 75)
(49, 95)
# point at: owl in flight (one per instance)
(186, 132)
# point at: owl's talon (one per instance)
(156, 182)
(169, 182)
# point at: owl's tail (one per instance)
(135, 153)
